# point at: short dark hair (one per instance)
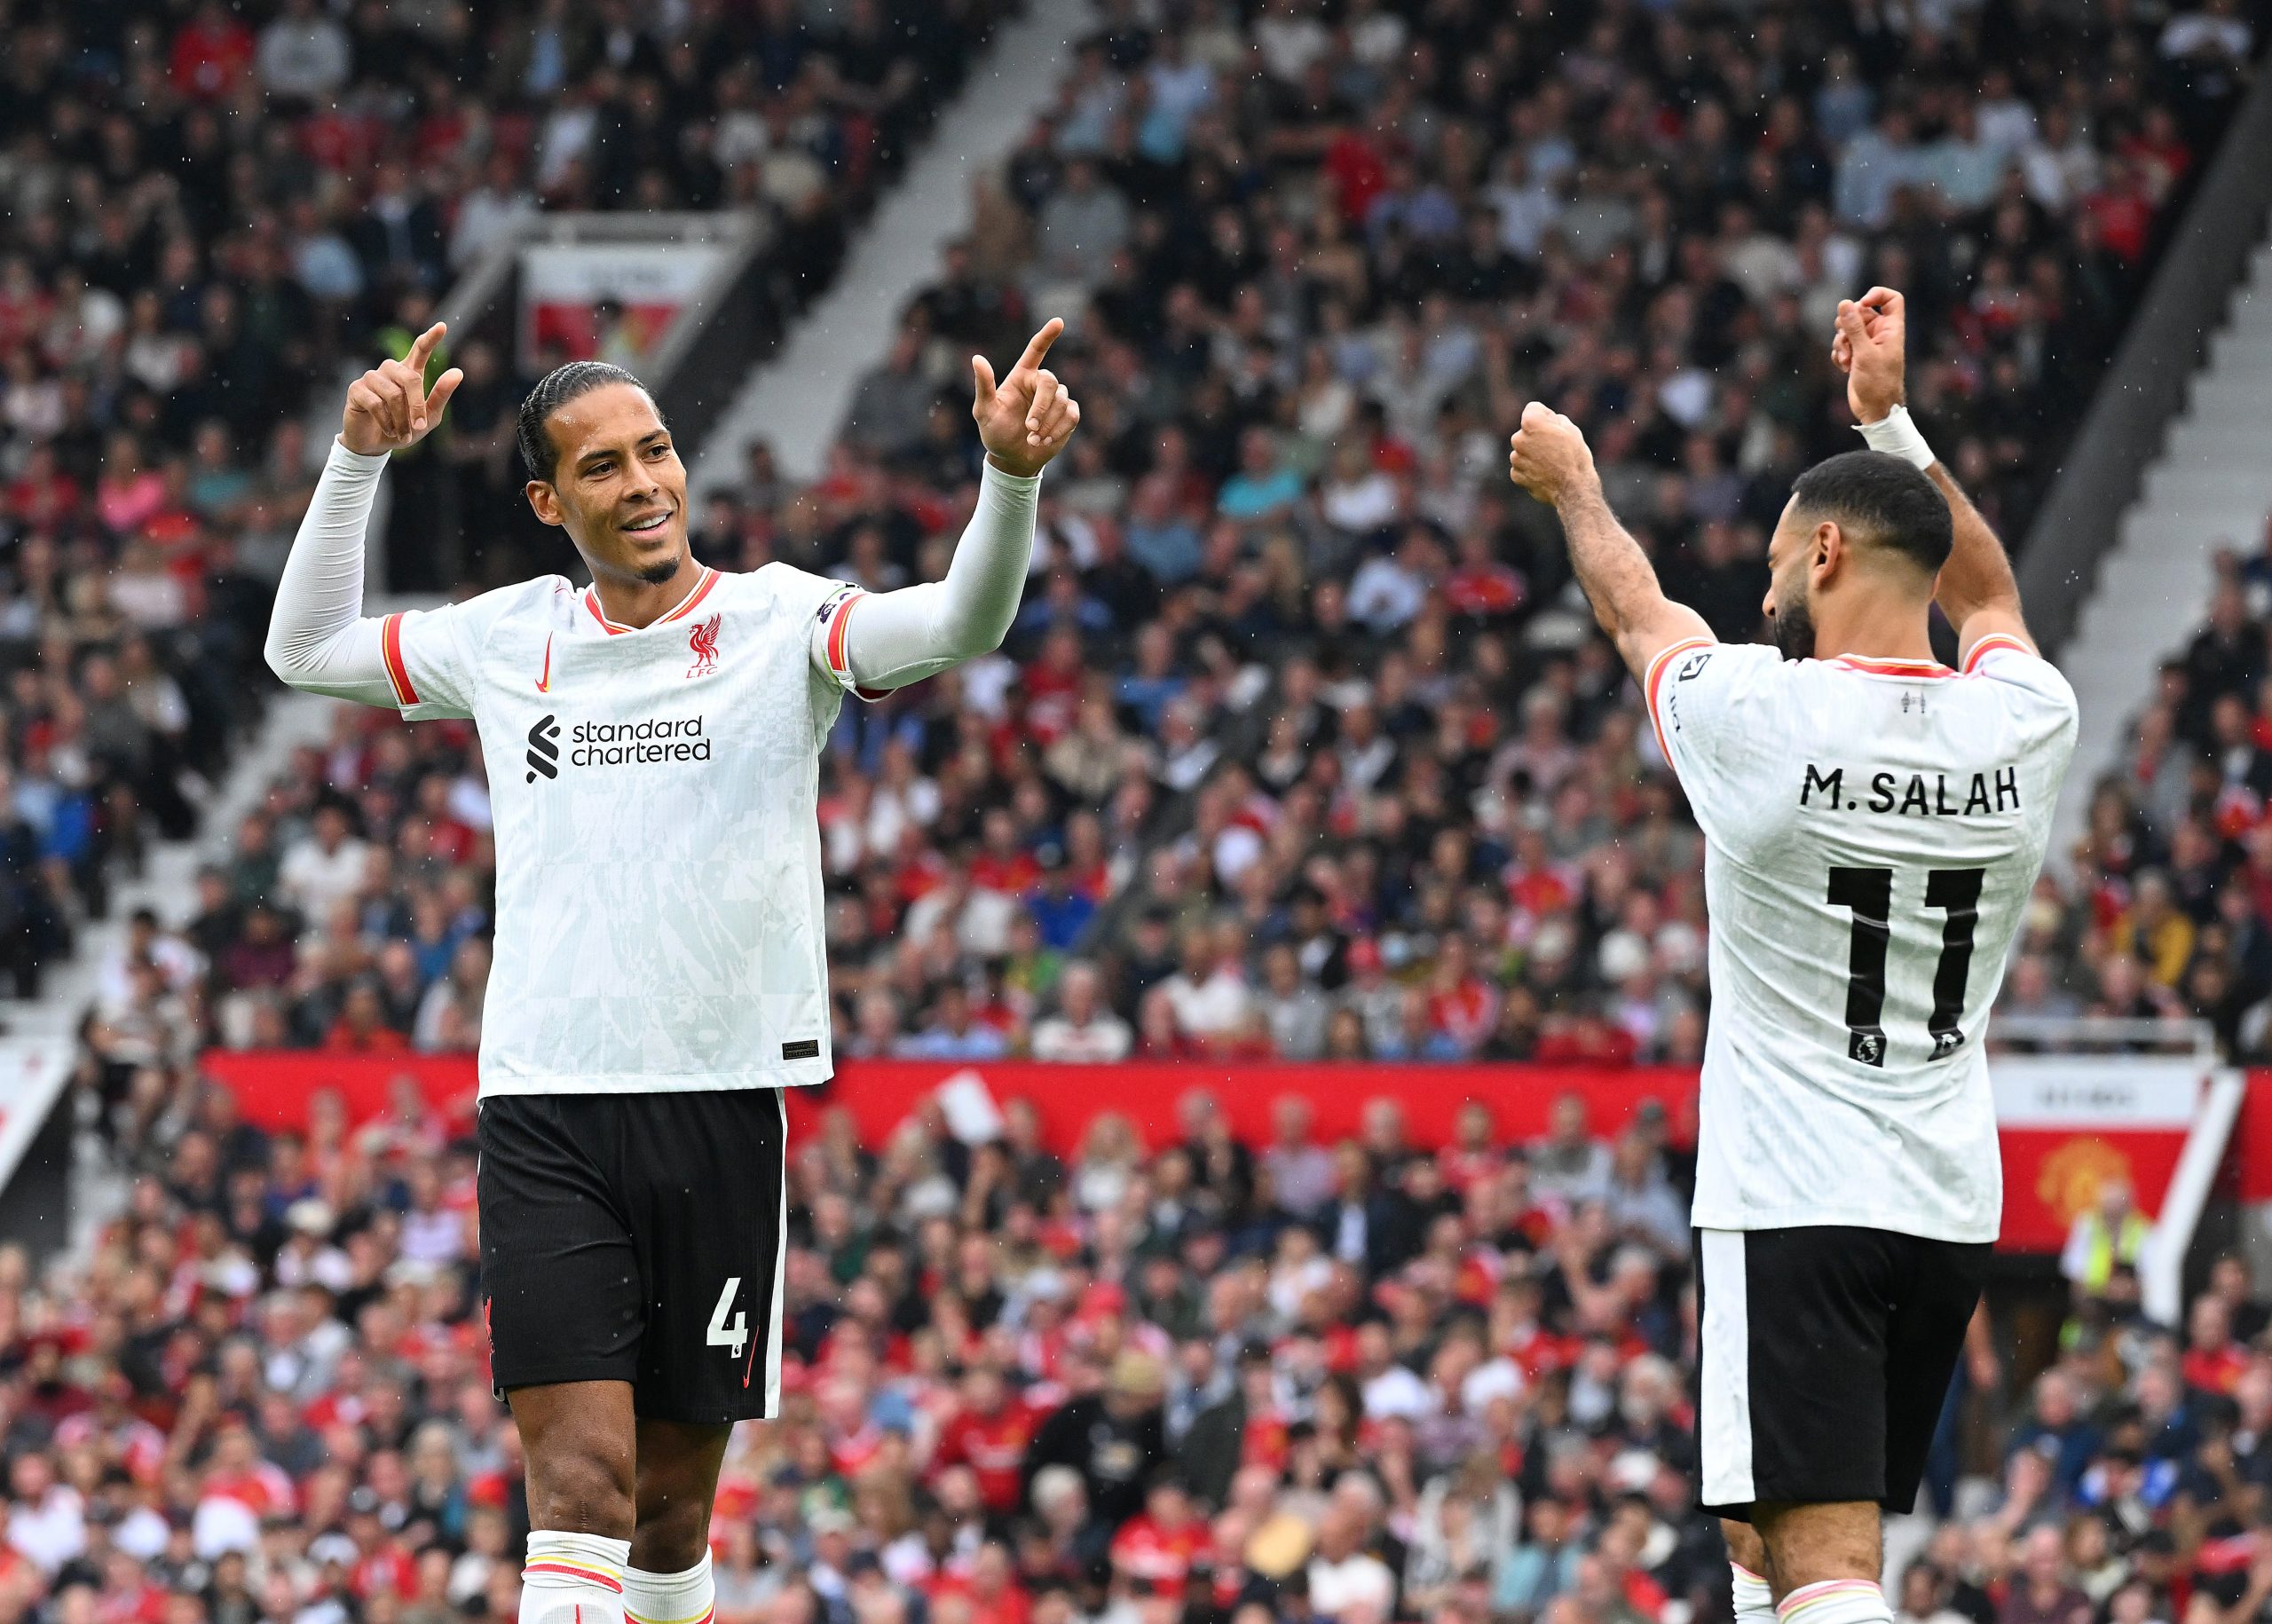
(1882, 502)
(554, 391)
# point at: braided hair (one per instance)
(554, 391)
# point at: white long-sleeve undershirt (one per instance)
(320, 642)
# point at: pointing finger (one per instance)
(1038, 345)
(423, 348)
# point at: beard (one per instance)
(655, 573)
(1792, 627)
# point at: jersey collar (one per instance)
(1892, 668)
(708, 579)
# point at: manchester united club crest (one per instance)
(704, 641)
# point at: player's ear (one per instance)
(1829, 545)
(544, 501)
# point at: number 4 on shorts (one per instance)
(732, 1337)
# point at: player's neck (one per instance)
(637, 603)
(1872, 631)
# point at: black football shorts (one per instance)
(1824, 1357)
(637, 1238)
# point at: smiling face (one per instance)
(618, 489)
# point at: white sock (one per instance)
(1836, 1601)
(669, 1598)
(1754, 1600)
(573, 1579)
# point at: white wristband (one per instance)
(1896, 435)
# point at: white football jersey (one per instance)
(1872, 829)
(655, 791)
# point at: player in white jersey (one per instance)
(651, 743)
(1873, 822)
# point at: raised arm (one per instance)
(1549, 458)
(895, 638)
(1977, 591)
(318, 640)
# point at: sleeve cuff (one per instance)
(341, 457)
(1002, 479)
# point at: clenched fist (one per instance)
(1548, 457)
(389, 407)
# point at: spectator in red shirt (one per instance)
(989, 1434)
(2213, 1362)
(1158, 1544)
(212, 54)
(361, 1028)
(1479, 585)
(2123, 210)
(989, 1592)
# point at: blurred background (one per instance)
(1268, 992)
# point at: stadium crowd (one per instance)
(1303, 744)
(205, 209)
(1199, 1383)
(1301, 747)
(2168, 915)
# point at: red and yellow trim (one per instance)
(1992, 641)
(406, 693)
(592, 602)
(701, 590)
(703, 1617)
(839, 661)
(1654, 678)
(576, 1570)
(1809, 1597)
(1928, 669)
(686, 605)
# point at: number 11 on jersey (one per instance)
(1869, 892)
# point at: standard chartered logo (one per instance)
(544, 753)
(655, 742)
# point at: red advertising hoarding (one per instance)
(2060, 1141)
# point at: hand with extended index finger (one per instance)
(389, 408)
(1026, 419)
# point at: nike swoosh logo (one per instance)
(544, 682)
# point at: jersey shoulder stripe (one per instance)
(840, 621)
(397, 673)
(1652, 680)
(1992, 643)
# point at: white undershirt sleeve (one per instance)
(895, 638)
(319, 641)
